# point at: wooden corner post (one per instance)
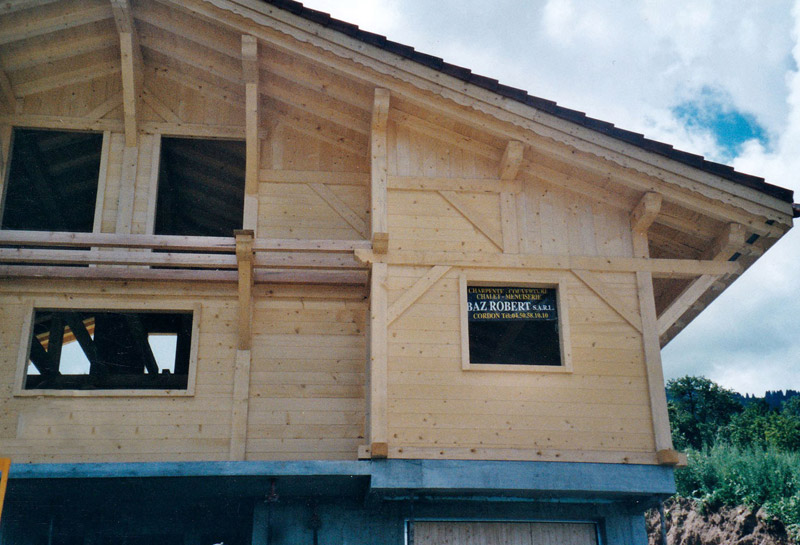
(642, 217)
(379, 162)
(252, 117)
(241, 372)
(378, 362)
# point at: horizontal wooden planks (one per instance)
(307, 379)
(601, 406)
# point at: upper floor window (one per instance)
(514, 327)
(52, 181)
(200, 187)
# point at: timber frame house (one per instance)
(266, 277)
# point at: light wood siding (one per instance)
(292, 203)
(600, 411)
(307, 381)
(504, 533)
(114, 428)
(307, 377)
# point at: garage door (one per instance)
(504, 533)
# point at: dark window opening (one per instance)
(200, 187)
(87, 350)
(52, 181)
(513, 325)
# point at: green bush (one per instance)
(726, 475)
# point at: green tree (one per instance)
(759, 427)
(698, 409)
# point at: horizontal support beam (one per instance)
(173, 242)
(262, 276)
(661, 268)
(272, 259)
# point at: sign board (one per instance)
(508, 304)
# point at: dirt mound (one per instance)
(725, 526)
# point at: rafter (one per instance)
(730, 241)
(512, 159)
(645, 212)
(27, 24)
(132, 69)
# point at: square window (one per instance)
(514, 327)
(200, 187)
(52, 181)
(89, 350)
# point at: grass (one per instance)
(728, 476)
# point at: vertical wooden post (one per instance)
(378, 362)
(379, 162)
(127, 188)
(241, 372)
(252, 116)
(641, 218)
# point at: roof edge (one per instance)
(546, 106)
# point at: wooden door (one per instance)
(504, 533)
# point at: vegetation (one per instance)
(739, 453)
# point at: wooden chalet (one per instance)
(266, 277)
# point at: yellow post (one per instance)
(5, 464)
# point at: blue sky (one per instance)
(714, 77)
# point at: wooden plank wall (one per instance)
(307, 397)
(307, 380)
(599, 412)
(307, 375)
(105, 428)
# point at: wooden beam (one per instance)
(44, 21)
(85, 341)
(730, 241)
(245, 259)
(415, 292)
(660, 268)
(139, 334)
(379, 169)
(132, 66)
(687, 298)
(378, 426)
(241, 374)
(512, 159)
(127, 188)
(55, 340)
(7, 90)
(250, 72)
(341, 208)
(313, 176)
(271, 276)
(174, 242)
(599, 287)
(159, 107)
(645, 212)
(475, 217)
(41, 359)
(642, 217)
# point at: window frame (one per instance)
(48, 304)
(517, 279)
(7, 153)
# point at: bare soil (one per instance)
(687, 525)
